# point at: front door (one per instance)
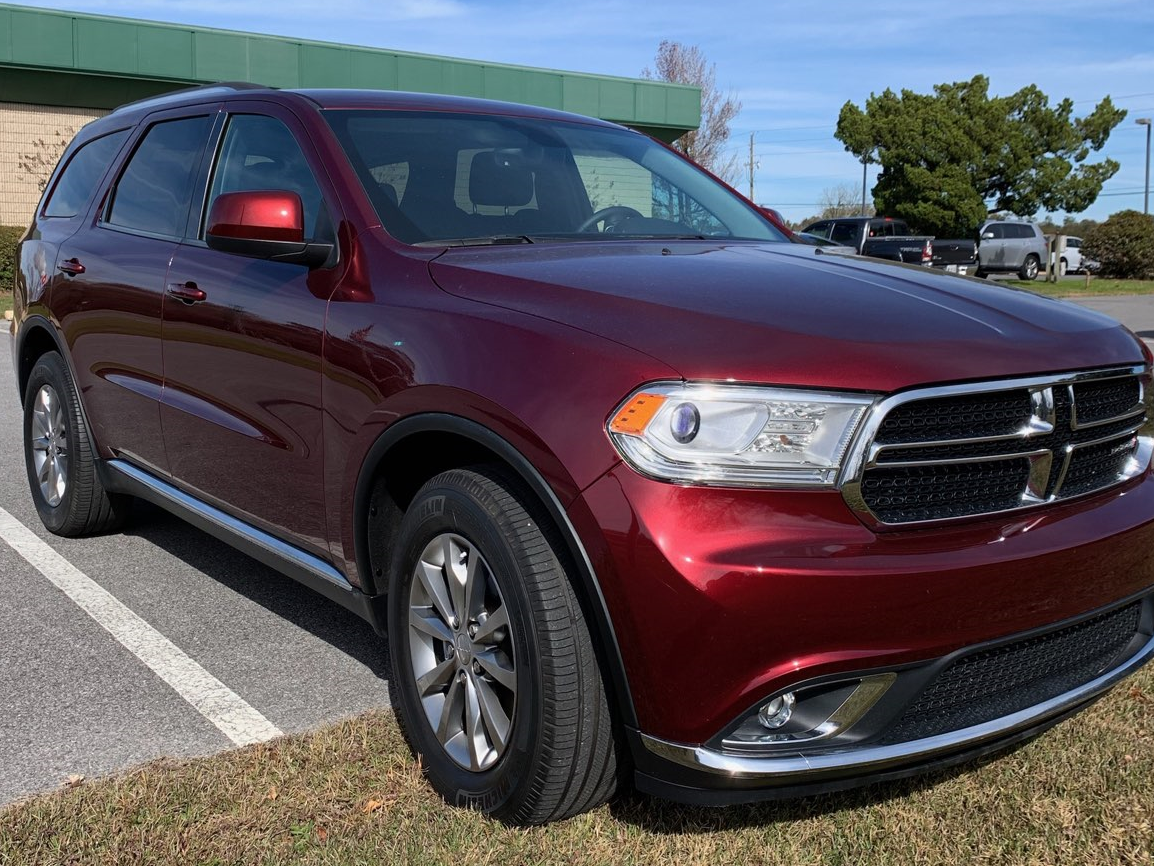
(242, 367)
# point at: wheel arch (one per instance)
(376, 516)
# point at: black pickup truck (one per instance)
(887, 238)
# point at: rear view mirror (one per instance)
(263, 224)
(987, 236)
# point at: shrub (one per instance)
(1124, 244)
(9, 235)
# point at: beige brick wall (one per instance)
(32, 136)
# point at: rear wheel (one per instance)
(61, 466)
(496, 681)
(1029, 269)
(1062, 268)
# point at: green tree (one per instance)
(951, 158)
(1124, 244)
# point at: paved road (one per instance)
(75, 701)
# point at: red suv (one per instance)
(639, 490)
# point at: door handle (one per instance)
(72, 267)
(187, 292)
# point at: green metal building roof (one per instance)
(92, 61)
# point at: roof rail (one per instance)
(176, 95)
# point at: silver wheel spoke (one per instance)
(497, 619)
(40, 443)
(435, 679)
(433, 579)
(474, 587)
(449, 712)
(497, 724)
(427, 621)
(455, 572)
(44, 471)
(499, 669)
(474, 727)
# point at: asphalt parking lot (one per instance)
(78, 701)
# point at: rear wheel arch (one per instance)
(420, 447)
(37, 337)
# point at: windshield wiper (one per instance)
(484, 241)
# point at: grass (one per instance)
(1079, 288)
(351, 794)
(5, 302)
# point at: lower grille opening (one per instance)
(998, 682)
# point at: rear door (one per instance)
(992, 250)
(242, 398)
(110, 303)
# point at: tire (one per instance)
(58, 457)
(1029, 269)
(556, 756)
(1062, 268)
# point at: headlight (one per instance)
(737, 434)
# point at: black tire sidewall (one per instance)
(49, 370)
(498, 790)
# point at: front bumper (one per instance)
(722, 598)
(688, 772)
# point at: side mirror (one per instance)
(263, 224)
(987, 236)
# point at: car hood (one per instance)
(787, 314)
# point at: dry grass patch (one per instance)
(350, 794)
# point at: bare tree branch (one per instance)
(686, 64)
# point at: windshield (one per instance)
(443, 178)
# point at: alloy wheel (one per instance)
(461, 652)
(49, 443)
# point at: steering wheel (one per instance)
(611, 216)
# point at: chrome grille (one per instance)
(987, 448)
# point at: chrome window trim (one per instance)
(863, 452)
(801, 767)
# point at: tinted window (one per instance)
(997, 230)
(819, 229)
(1021, 230)
(261, 153)
(83, 172)
(1073, 243)
(153, 193)
(844, 233)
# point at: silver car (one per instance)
(1011, 247)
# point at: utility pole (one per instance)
(752, 166)
(1145, 121)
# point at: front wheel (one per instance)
(495, 678)
(1029, 269)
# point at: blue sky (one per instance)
(792, 65)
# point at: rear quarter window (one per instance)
(81, 175)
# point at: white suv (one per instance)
(1072, 260)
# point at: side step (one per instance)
(119, 476)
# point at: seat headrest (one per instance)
(501, 179)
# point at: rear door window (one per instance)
(78, 181)
(843, 233)
(153, 193)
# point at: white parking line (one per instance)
(234, 717)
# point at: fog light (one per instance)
(777, 712)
